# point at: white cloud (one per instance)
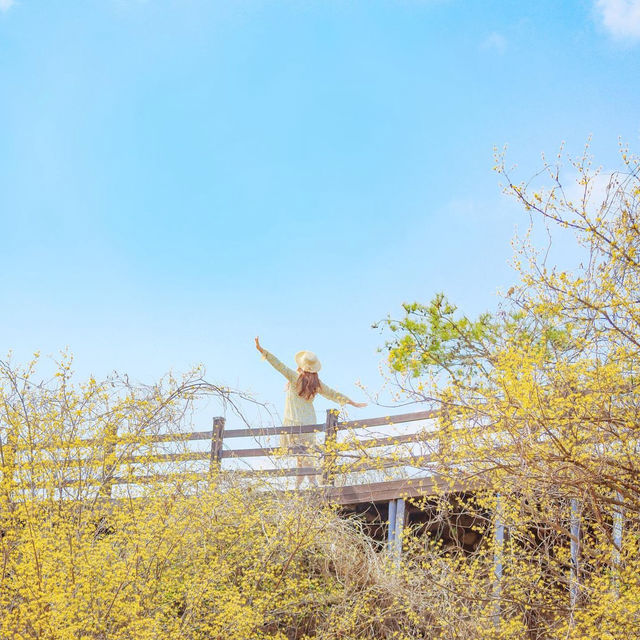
(495, 42)
(5, 5)
(602, 188)
(621, 18)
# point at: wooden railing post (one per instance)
(109, 464)
(329, 454)
(444, 439)
(217, 437)
(8, 454)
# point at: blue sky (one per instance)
(177, 176)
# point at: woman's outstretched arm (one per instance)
(337, 397)
(289, 374)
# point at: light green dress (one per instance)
(299, 410)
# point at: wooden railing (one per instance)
(118, 452)
(329, 453)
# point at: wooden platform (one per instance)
(391, 490)
(133, 460)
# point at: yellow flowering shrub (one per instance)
(540, 406)
(107, 534)
(108, 530)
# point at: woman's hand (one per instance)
(258, 347)
(359, 404)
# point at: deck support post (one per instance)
(618, 523)
(617, 535)
(399, 529)
(391, 531)
(396, 528)
(574, 585)
(498, 554)
(618, 520)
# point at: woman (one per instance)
(302, 388)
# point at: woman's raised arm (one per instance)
(337, 397)
(289, 374)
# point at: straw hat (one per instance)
(308, 361)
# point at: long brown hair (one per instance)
(308, 385)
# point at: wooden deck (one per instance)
(390, 490)
(162, 457)
(126, 461)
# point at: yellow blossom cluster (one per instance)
(540, 411)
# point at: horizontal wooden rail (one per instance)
(343, 468)
(340, 426)
(354, 445)
(80, 443)
(233, 433)
(269, 451)
(295, 450)
(374, 443)
(273, 431)
(280, 473)
(389, 420)
(166, 477)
